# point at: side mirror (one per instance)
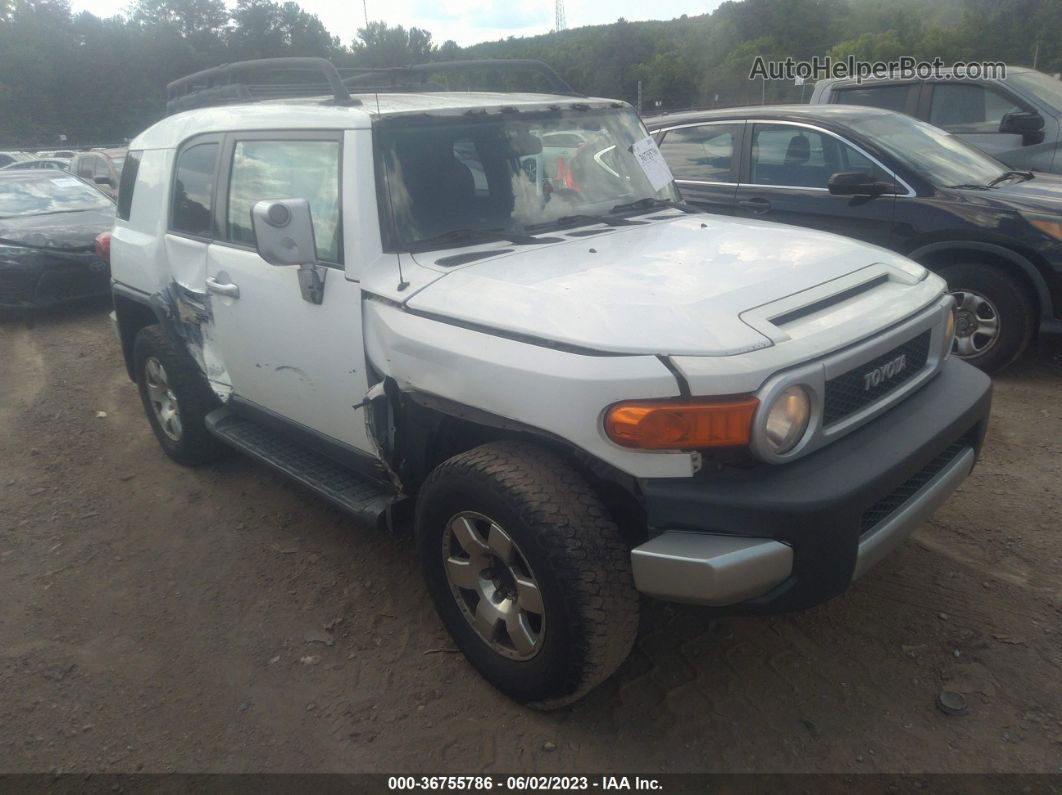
(283, 235)
(1028, 124)
(104, 181)
(1021, 122)
(856, 183)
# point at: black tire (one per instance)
(1009, 300)
(194, 445)
(577, 555)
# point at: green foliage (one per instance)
(102, 80)
(379, 45)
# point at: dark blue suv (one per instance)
(995, 234)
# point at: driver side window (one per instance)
(285, 170)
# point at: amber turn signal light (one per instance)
(668, 425)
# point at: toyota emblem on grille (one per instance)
(881, 374)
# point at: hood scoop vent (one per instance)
(825, 303)
(865, 297)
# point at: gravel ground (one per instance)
(154, 618)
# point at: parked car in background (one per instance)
(1017, 120)
(994, 234)
(40, 163)
(48, 228)
(9, 157)
(102, 168)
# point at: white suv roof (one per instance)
(317, 113)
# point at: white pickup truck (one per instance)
(490, 312)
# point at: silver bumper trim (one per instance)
(709, 569)
(888, 534)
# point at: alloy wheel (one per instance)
(493, 585)
(977, 323)
(163, 400)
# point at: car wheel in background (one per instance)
(996, 315)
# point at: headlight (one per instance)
(787, 419)
(949, 328)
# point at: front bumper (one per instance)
(776, 538)
(48, 278)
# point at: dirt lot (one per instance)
(155, 618)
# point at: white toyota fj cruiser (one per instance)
(491, 312)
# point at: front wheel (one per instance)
(996, 316)
(527, 571)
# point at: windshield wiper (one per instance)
(1025, 176)
(471, 235)
(969, 186)
(653, 203)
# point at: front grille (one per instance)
(849, 392)
(885, 507)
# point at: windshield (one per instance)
(49, 194)
(455, 181)
(941, 158)
(1039, 85)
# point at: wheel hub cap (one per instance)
(493, 585)
(163, 400)
(976, 324)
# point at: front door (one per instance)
(784, 178)
(300, 361)
(973, 112)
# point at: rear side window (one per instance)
(127, 184)
(701, 154)
(193, 189)
(886, 97)
(287, 170)
(85, 167)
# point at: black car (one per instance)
(48, 227)
(994, 234)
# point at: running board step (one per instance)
(361, 497)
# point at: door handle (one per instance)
(756, 205)
(227, 289)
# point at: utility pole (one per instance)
(365, 8)
(639, 105)
(559, 22)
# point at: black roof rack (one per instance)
(231, 84)
(227, 84)
(417, 77)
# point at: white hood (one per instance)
(669, 287)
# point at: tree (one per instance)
(189, 17)
(380, 45)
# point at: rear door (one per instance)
(704, 161)
(900, 97)
(785, 170)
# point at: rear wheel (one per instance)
(527, 571)
(996, 315)
(176, 398)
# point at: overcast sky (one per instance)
(468, 21)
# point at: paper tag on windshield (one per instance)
(66, 182)
(652, 162)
